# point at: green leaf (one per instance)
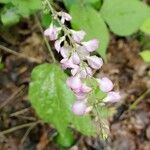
(9, 16)
(52, 100)
(124, 17)
(146, 26)
(27, 7)
(69, 3)
(87, 19)
(5, 1)
(145, 55)
(46, 20)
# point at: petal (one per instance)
(78, 36)
(74, 83)
(105, 84)
(85, 88)
(64, 52)
(95, 62)
(91, 45)
(75, 70)
(112, 97)
(75, 58)
(79, 108)
(86, 71)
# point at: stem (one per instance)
(45, 40)
(138, 100)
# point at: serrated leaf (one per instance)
(52, 100)
(124, 17)
(146, 26)
(87, 19)
(145, 55)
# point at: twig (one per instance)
(28, 131)
(45, 39)
(19, 112)
(19, 55)
(12, 96)
(18, 127)
(137, 101)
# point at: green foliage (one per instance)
(95, 3)
(124, 17)
(13, 10)
(46, 20)
(146, 26)
(145, 55)
(52, 100)
(89, 20)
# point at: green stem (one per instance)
(137, 101)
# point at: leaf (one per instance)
(146, 26)
(27, 7)
(69, 3)
(5, 1)
(145, 55)
(9, 16)
(52, 100)
(124, 17)
(46, 20)
(87, 19)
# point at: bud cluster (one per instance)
(77, 56)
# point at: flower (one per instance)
(105, 84)
(52, 32)
(75, 58)
(64, 17)
(91, 45)
(74, 83)
(57, 44)
(112, 97)
(85, 71)
(95, 62)
(64, 52)
(79, 108)
(78, 36)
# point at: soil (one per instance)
(130, 129)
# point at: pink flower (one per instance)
(112, 97)
(58, 44)
(78, 36)
(91, 45)
(64, 52)
(75, 70)
(52, 32)
(79, 108)
(82, 89)
(74, 83)
(95, 62)
(82, 52)
(67, 63)
(105, 84)
(64, 17)
(75, 58)
(86, 71)
(80, 96)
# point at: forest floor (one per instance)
(23, 47)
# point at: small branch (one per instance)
(137, 101)
(19, 127)
(19, 55)
(19, 112)
(45, 39)
(12, 96)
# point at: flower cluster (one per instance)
(77, 56)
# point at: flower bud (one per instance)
(95, 62)
(78, 36)
(91, 45)
(74, 83)
(64, 17)
(112, 97)
(52, 32)
(57, 44)
(79, 108)
(86, 71)
(64, 52)
(105, 84)
(75, 58)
